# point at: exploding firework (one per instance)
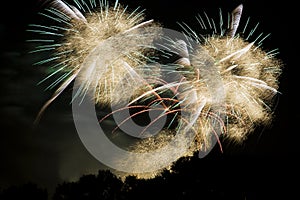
(221, 84)
(249, 76)
(77, 36)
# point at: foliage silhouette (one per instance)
(235, 178)
(26, 191)
(89, 187)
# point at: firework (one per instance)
(221, 84)
(77, 36)
(249, 75)
(239, 101)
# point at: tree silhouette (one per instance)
(193, 178)
(26, 191)
(104, 186)
(188, 179)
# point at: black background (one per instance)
(52, 152)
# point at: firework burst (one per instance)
(249, 75)
(221, 84)
(77, 36)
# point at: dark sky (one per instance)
(52, 152)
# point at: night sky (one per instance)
(52, 152)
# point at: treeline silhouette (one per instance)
(27, 191)
(217, 178)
